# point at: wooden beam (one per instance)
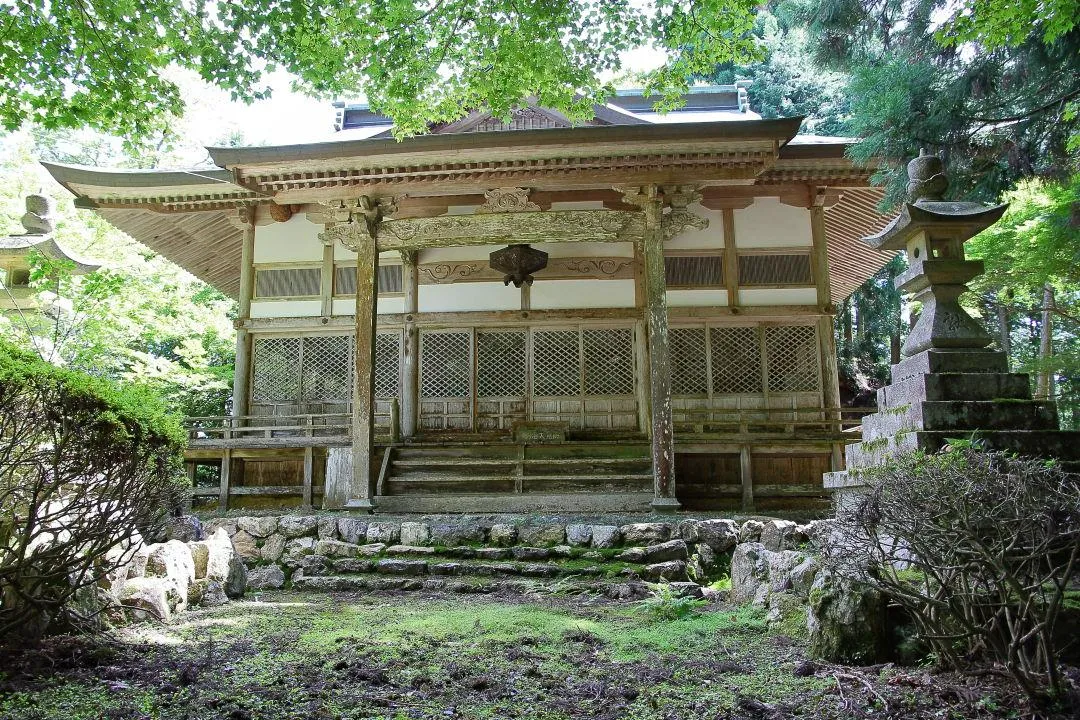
(326, 280)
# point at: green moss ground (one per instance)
(403, 656)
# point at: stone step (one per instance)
(1056, 444)
(570, 463)
(962, 416)
(950, 361)
(583, 503)
(435, 482)
(955, 386)
(317, 566)
(630, 590)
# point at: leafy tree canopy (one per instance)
(102, 63)
(1001, 104)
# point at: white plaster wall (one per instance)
(295, 240)
(770, 223)
(466, 297)
(783, 296)
(697, 298)
(386, 305)
(693, 239)
(285, 308)
(456, 254)
(586, 249)
(568, 294)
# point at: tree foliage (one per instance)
(84, 466)
(139, 318)
(104, 64)
(999, 111)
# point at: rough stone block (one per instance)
(328, 528)
(401, 567)
(670, 550)
(645, 533)
(503, 534)
(294, 526)
(579, 535)
(453, 534)
(227, 524)
(750, 531)
(531, 553)
(409, 550)
(207, 593)
(777, 534)
(387, 533)
(493, 553)
(720, 535)
(415, 533)
(297, 549)
(351, 530)
(147, 598)
(200, 555)
(605, 536)
(269, 577)
(185, 528)
(671, 570)
(353, 565)
(273, 547)
(542, 535)
(336, 548)
(259, 527)
(245, 546)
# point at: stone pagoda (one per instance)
(948, 385)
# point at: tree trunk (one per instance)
(1004, 327)
(847, 324)
(1045, 387)
(894, 348)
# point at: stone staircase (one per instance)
(514, 477)
(938, 396)
(480, 554)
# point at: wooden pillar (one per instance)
(410, 380)
(224, 480)
(326, 277)
(242, 365)
(830, 373)
(746, 478)
(363, 419)
(731, 258)
(309, 473)
(656, 320)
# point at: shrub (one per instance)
(978, 548)
(84, 466)
(666, 604)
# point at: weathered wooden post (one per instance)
(410, 383)
(355, 225)
(242, 366)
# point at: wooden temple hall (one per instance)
(532, 315)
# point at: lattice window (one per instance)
(288, 282)
(556, 363)
(736, 360)
(500, 364)
(609, 361)
(327, 369)
(689, 369)
(276, 370)
(793, 269)
(445, 369)
(694, 270)
(387, 365)
(345, 279)
(793, 358)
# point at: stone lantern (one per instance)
(933, 231)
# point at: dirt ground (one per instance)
(403, 656)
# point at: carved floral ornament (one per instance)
(508, 217)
